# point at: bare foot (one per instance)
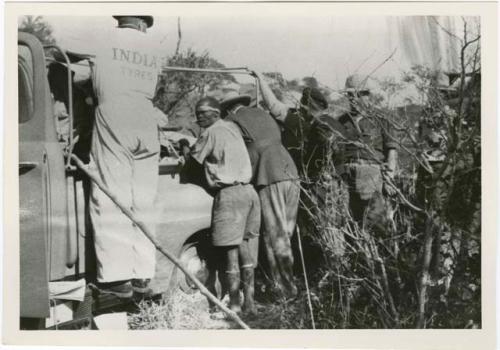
(235, 308)
(250, 311)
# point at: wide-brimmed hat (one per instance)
(148, 19)
(232, 97)
(356, 83)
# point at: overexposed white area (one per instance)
(328, 48)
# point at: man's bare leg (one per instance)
(248, 276)
(233, 278)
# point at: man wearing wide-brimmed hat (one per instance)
(124, 153)
(275, 178)
(369, 149)
(310, 134)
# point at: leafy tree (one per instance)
(37, 26)
(177, 92)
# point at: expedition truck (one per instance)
(57, 260)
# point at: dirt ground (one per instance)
(191, 311)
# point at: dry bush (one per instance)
(176, 310)
(178, 92)
(420, 268)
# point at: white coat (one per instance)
(125, 151)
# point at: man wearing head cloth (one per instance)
(236, 210)
(275, 178)
(124, 153)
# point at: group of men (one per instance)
(255, 181)
(260, 183)
(252, 159)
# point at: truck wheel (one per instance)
(197, 266)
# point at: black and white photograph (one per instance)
(190, 172)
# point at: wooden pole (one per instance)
(165, 252)
(238, 70)
(305, 279)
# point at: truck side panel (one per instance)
(43, 223)
(34, 260)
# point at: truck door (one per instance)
(42, 189)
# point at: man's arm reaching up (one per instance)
(277, 108)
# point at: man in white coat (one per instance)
(125, 154)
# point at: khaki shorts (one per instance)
(236, 215)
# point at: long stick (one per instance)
(239, 70)
(148, 234)
(305, 278)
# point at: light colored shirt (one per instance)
(222, 152)
(279, 110)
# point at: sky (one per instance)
(328, 48)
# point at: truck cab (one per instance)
(56, 238)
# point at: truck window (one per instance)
(25, 83)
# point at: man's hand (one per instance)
(182, 161)
(255, 73)
(184, 147)
(389, 171)
(389, 186)
(277, 108)
(258, 75)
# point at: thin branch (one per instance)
(383, 62)
(446, 30)
(179, 36)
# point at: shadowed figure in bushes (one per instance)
(432, 186)
(369, 151)
(275, 178)
(433, 136)
(431, 189)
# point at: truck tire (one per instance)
(197, 266)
